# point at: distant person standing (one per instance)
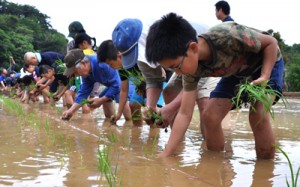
(223, 11)
(74, 28)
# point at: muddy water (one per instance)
(39, 149)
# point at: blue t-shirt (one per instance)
(102, 73)
(2, 78)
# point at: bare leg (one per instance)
(260, 122)
(202, 102)
(108, 108)
(212, 116)
(127, 112)
(69, 98)
(136, 114)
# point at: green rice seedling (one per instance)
(31, 86)
(294, 180)
(62, 161)
(34, 121)
(1, 103)
(154, 143)
(12, 93)
(151, 151)
(112, 137)
(137, 79)
(13, 106)
(47, 126)
(82, 166)
(103, 158)
(135, 76)
(86, 101)
(104, 166)
(71, 81)
(63, 142)
(61, 66)
(52, 135)
(152, 117)
(250, 93)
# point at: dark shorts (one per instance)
(227, 85)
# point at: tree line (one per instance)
(24, 28)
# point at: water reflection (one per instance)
(65, 153)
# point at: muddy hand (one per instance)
(160, 123)
(148, 116)
(66, 116)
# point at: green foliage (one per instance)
(24, 28)
(293, 74)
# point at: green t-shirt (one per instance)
(236, 50)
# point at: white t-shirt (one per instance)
(142, 43)
(24, 73)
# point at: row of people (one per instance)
(229, 50)
(208, 63)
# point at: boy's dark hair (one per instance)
(44, 69)
(81, 37)
(168, 38)
(224, 5)
(107, 51)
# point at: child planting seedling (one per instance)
(152, 117)
(250, 93)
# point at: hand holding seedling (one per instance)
(168, 114)
(67, 115)
(95, 103)
(114, 118)
(260, 81)
(86, 101)
(248, 93)
(153, 118)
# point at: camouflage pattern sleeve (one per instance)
(190, 82)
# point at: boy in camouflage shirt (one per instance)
(229, 50)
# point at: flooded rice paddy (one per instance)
(39, 149)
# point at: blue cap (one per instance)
(125, 37)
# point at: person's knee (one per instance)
(258, 116)
(135, 109)
(206, 117)
(210, 119)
